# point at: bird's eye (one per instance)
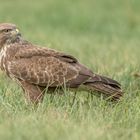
(7, 30)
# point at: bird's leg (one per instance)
(33, 93)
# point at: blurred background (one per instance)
(105, 36)
(93, 30)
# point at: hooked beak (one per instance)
(15, 32)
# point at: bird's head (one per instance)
(8, 34)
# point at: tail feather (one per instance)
(110, 88)
(87, 80)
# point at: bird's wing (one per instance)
(28, 51)
(43, 66)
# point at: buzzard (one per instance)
(35, 68)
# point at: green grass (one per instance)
(102, 34)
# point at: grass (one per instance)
(102, 34)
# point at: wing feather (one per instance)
(42, 70)
(30, 51)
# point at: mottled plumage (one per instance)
(35, 68)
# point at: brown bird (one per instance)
(35, 68)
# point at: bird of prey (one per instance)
(36, 68)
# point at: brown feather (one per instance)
(36, 68)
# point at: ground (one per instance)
(102, 34)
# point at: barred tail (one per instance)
(110, 88)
